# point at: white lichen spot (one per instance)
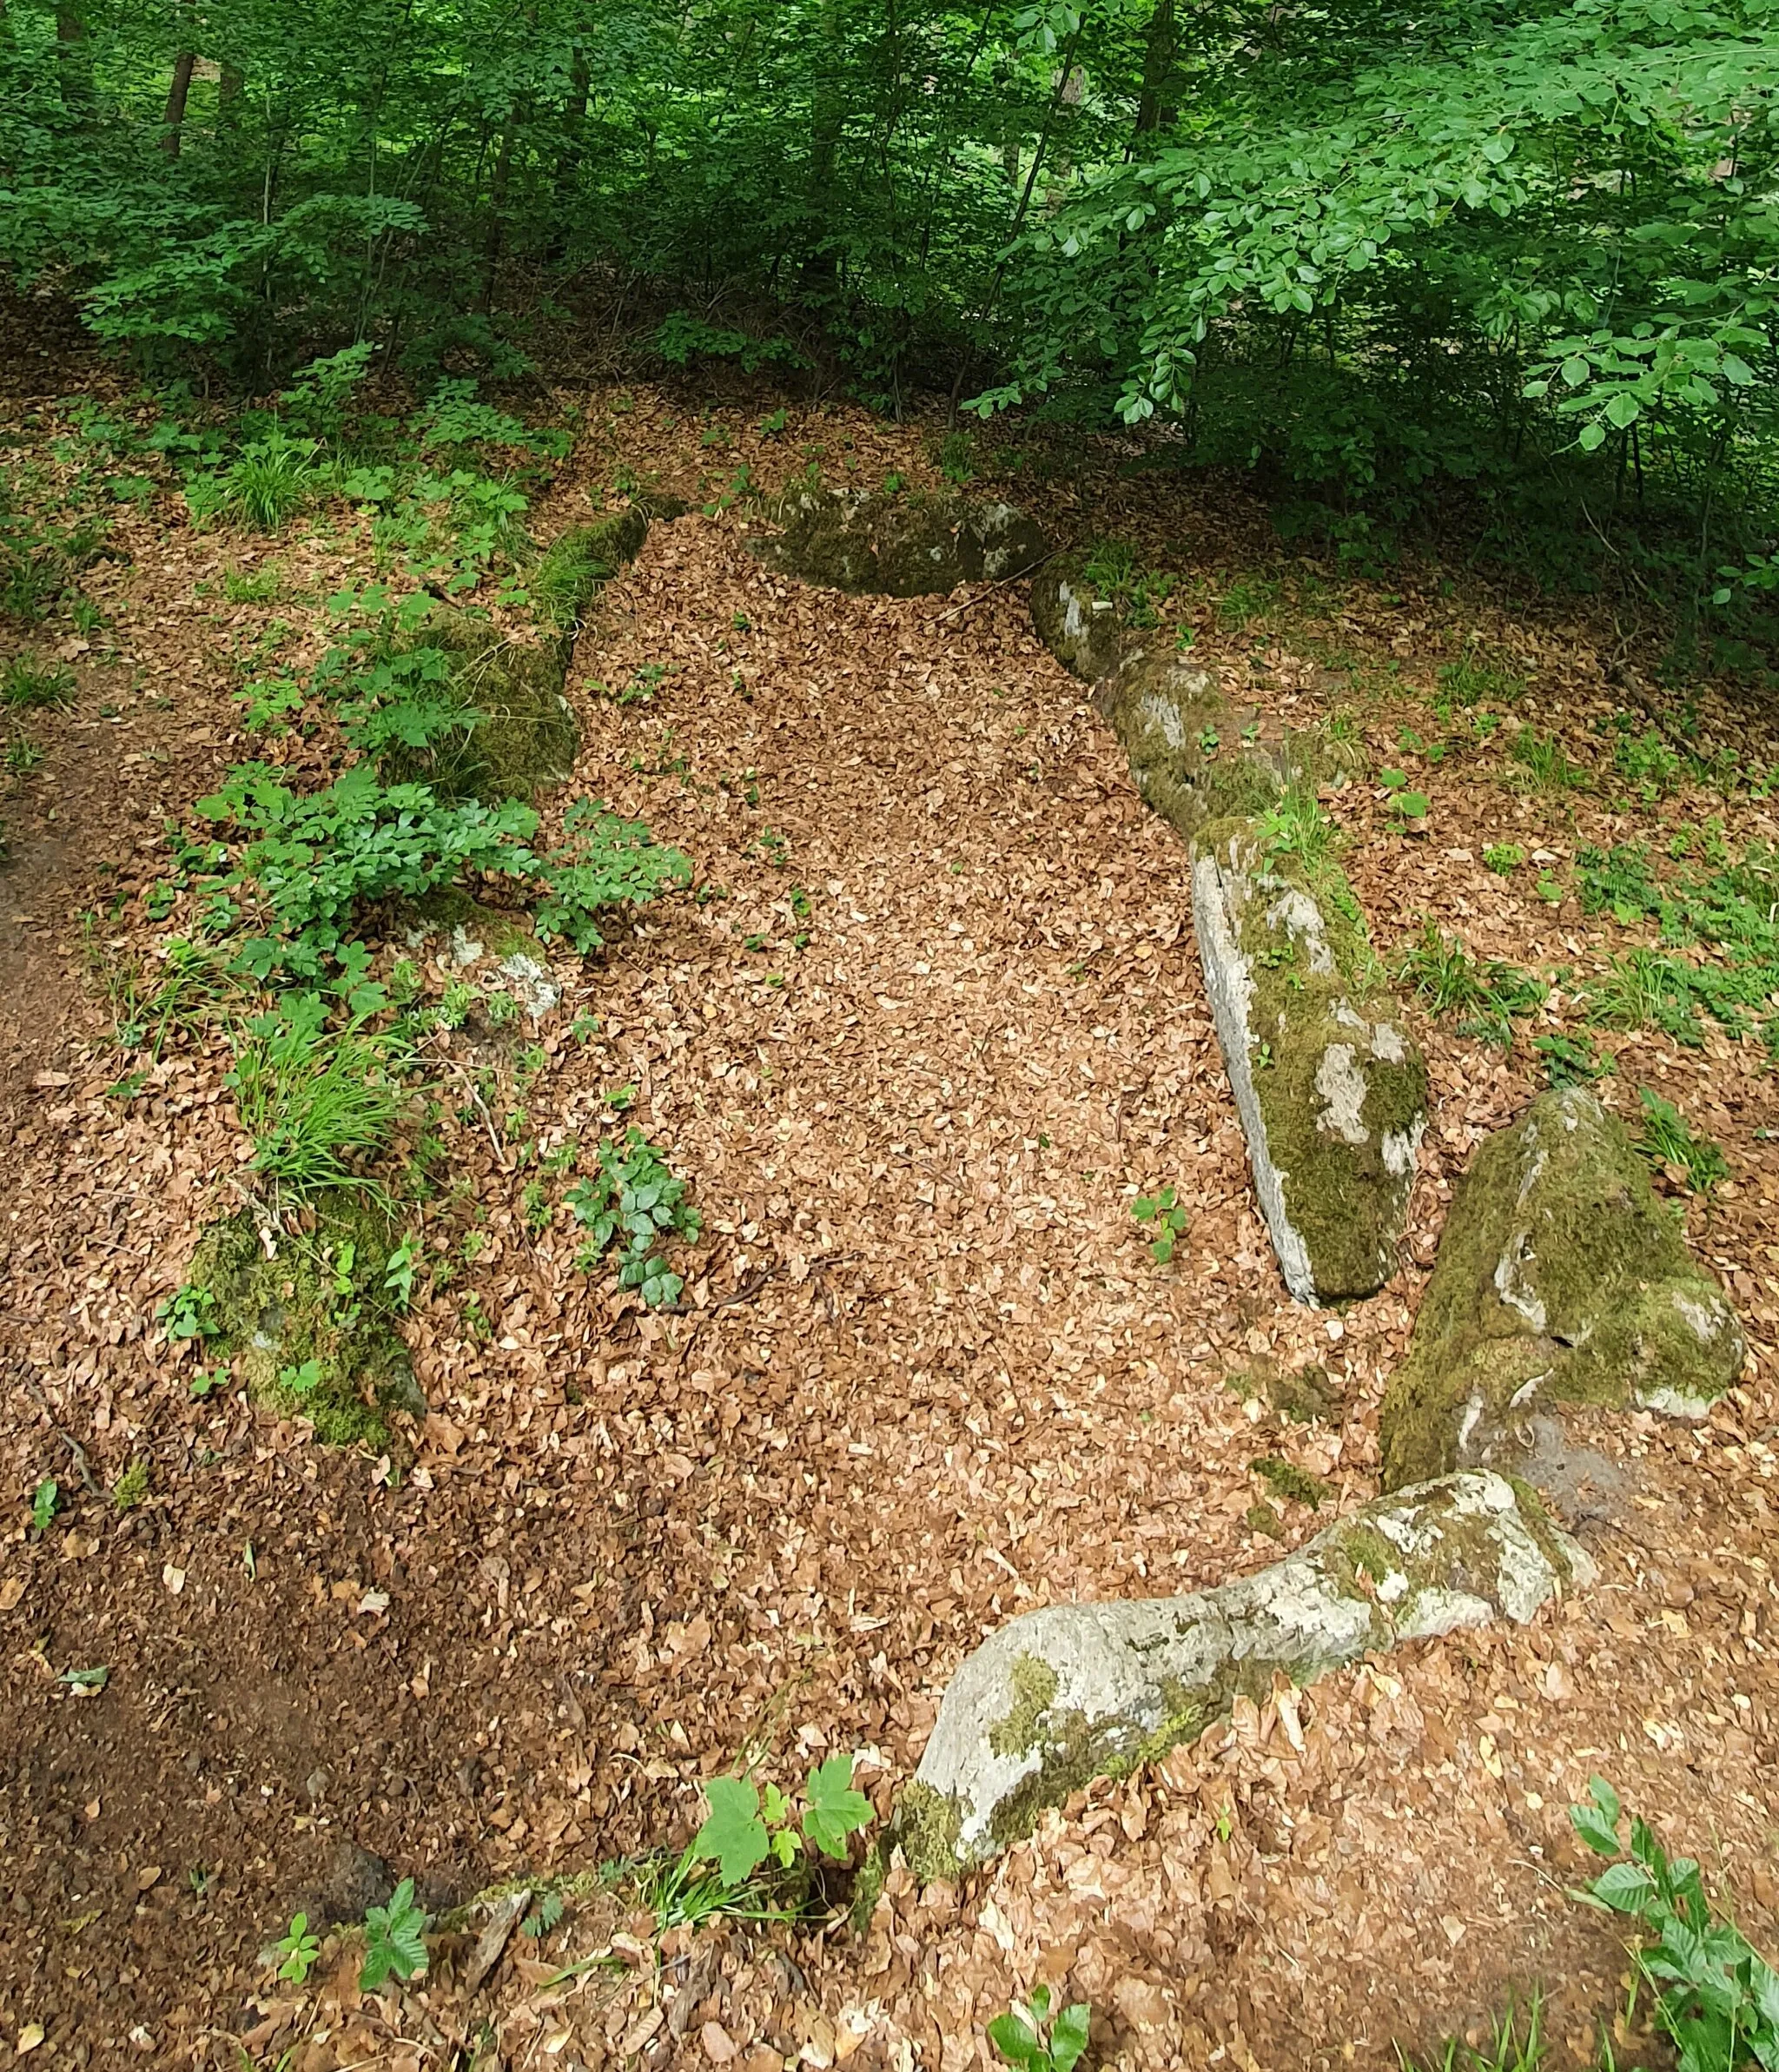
(1163, 715)
(1400, 1147)
(533, 982)
(1673, 1402)
(1706, 1323)
(1513, 1287)
(1342, 1086)
(1386, 1044)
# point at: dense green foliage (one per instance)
(1523, 250)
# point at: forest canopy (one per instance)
(1519, 255)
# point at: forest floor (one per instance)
(934, 1022)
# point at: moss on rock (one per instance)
(1077, 1692)
(1331, 1090)
(1196, 757)
(1560, 1279)
(519, 734)
(578, 562)
(898, 546)
(311, 1324)
(1080, 625)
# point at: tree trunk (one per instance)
(820, 267)
(497, 213)
(1154, 109)
(177, 93)
(74, 62)
(574, 122)
(228, 92)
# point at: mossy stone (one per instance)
(280, 1313)
(577, 563)
(914, 545)
(1560, 1279)
(1195, 758)
(1072, 1692)
(1331, 1090)
(520, 734)
(1078, 622)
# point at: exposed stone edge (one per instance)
(1076, 1692)
(1230, 1002)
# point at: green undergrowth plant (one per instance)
(395, 1939)
(1545, 762)
(634, 1201)
(1714, 1997)
(1516, 2043)
(754, 1853)
(1163, 1210)
(305, 866)
(1489, 995)
(1670, 1143)
(318, 1102)
(27, 683)
(1727, 915)
(1033, 2038)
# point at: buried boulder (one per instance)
(1331, 1090)
(909, 545)
(1076, 1692)
(307, 1314)
(515, 732)
(1560, 1279)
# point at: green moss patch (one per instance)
(912, 546)
(577, 563)
(1560, 1278)
(1333, 1092)
(311, 1325)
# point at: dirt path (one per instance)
(930, 1020)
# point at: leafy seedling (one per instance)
(1163, 1210)
(1032, 2040)
(46, 1499)
(395, 1939)
(298, 1949)
(1405, 802)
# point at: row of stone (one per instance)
(1559, 1277)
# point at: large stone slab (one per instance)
(908, 546)
(1077, 1692)
(1561, 1279)
(1330, 1088)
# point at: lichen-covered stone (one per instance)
(1077, 1692)
(497, 952)
(1560, 1279)
(310, 1320)
(1080, 625)
(1195, 757)
(898, 546)
(1331, 1090)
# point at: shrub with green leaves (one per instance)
(1716, 1999)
